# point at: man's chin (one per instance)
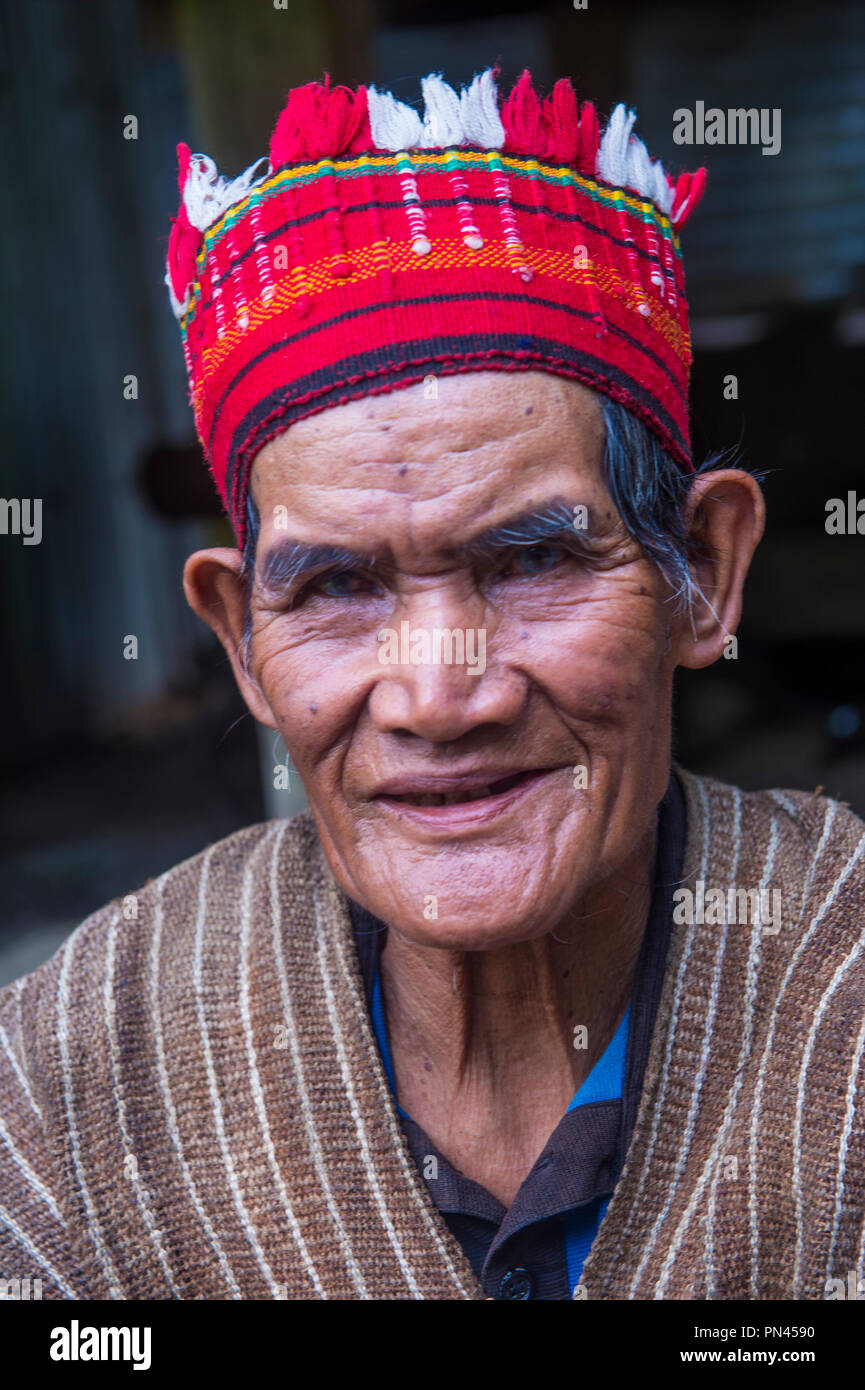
(476, 893)
(455, 914)
(480, 934)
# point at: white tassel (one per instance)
(393, 125)
(624, 161)
(199, 191)
(663, 193)
(639, 175)
(612, 162)
(239, 188)
(645, 177)
(207, 195)
(479, 108)
(178, 308)
(442, 119)
(472, 117)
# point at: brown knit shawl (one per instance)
(192, 1103)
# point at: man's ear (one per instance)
(724, 517)
(216, 592)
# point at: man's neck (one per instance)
(489, 1047)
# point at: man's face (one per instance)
(569, 712)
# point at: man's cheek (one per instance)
(598, 666)
(311, 694)
(289, 654)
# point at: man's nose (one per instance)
(438, 678)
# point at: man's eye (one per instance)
(343, 584)
(535, 559)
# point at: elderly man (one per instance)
(516, 1010)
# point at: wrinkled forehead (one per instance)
(445, 452)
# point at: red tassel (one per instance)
(680, 188)
(185, 240)
(560, 118)
(559, 128)
(320, 122)
(184, 159)
(590, 140)
(522, 118)
(689, 190)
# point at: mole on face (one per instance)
(402, 470)
(528, 410)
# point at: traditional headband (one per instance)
(378, 247)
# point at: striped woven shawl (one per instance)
(192, 1104)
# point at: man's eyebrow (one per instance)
(554, 520)
(288, 560)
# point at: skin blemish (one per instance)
(313, 709)
(528, 410)
(402, 470)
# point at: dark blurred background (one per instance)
(115, 769)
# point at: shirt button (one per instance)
(517, 1283)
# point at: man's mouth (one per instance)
(460, 803)
(457, 797)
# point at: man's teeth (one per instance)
(448, 798)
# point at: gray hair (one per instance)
(649, 490)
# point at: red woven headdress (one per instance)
(379, 246)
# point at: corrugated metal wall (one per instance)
(82, 243)
(772, 228)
